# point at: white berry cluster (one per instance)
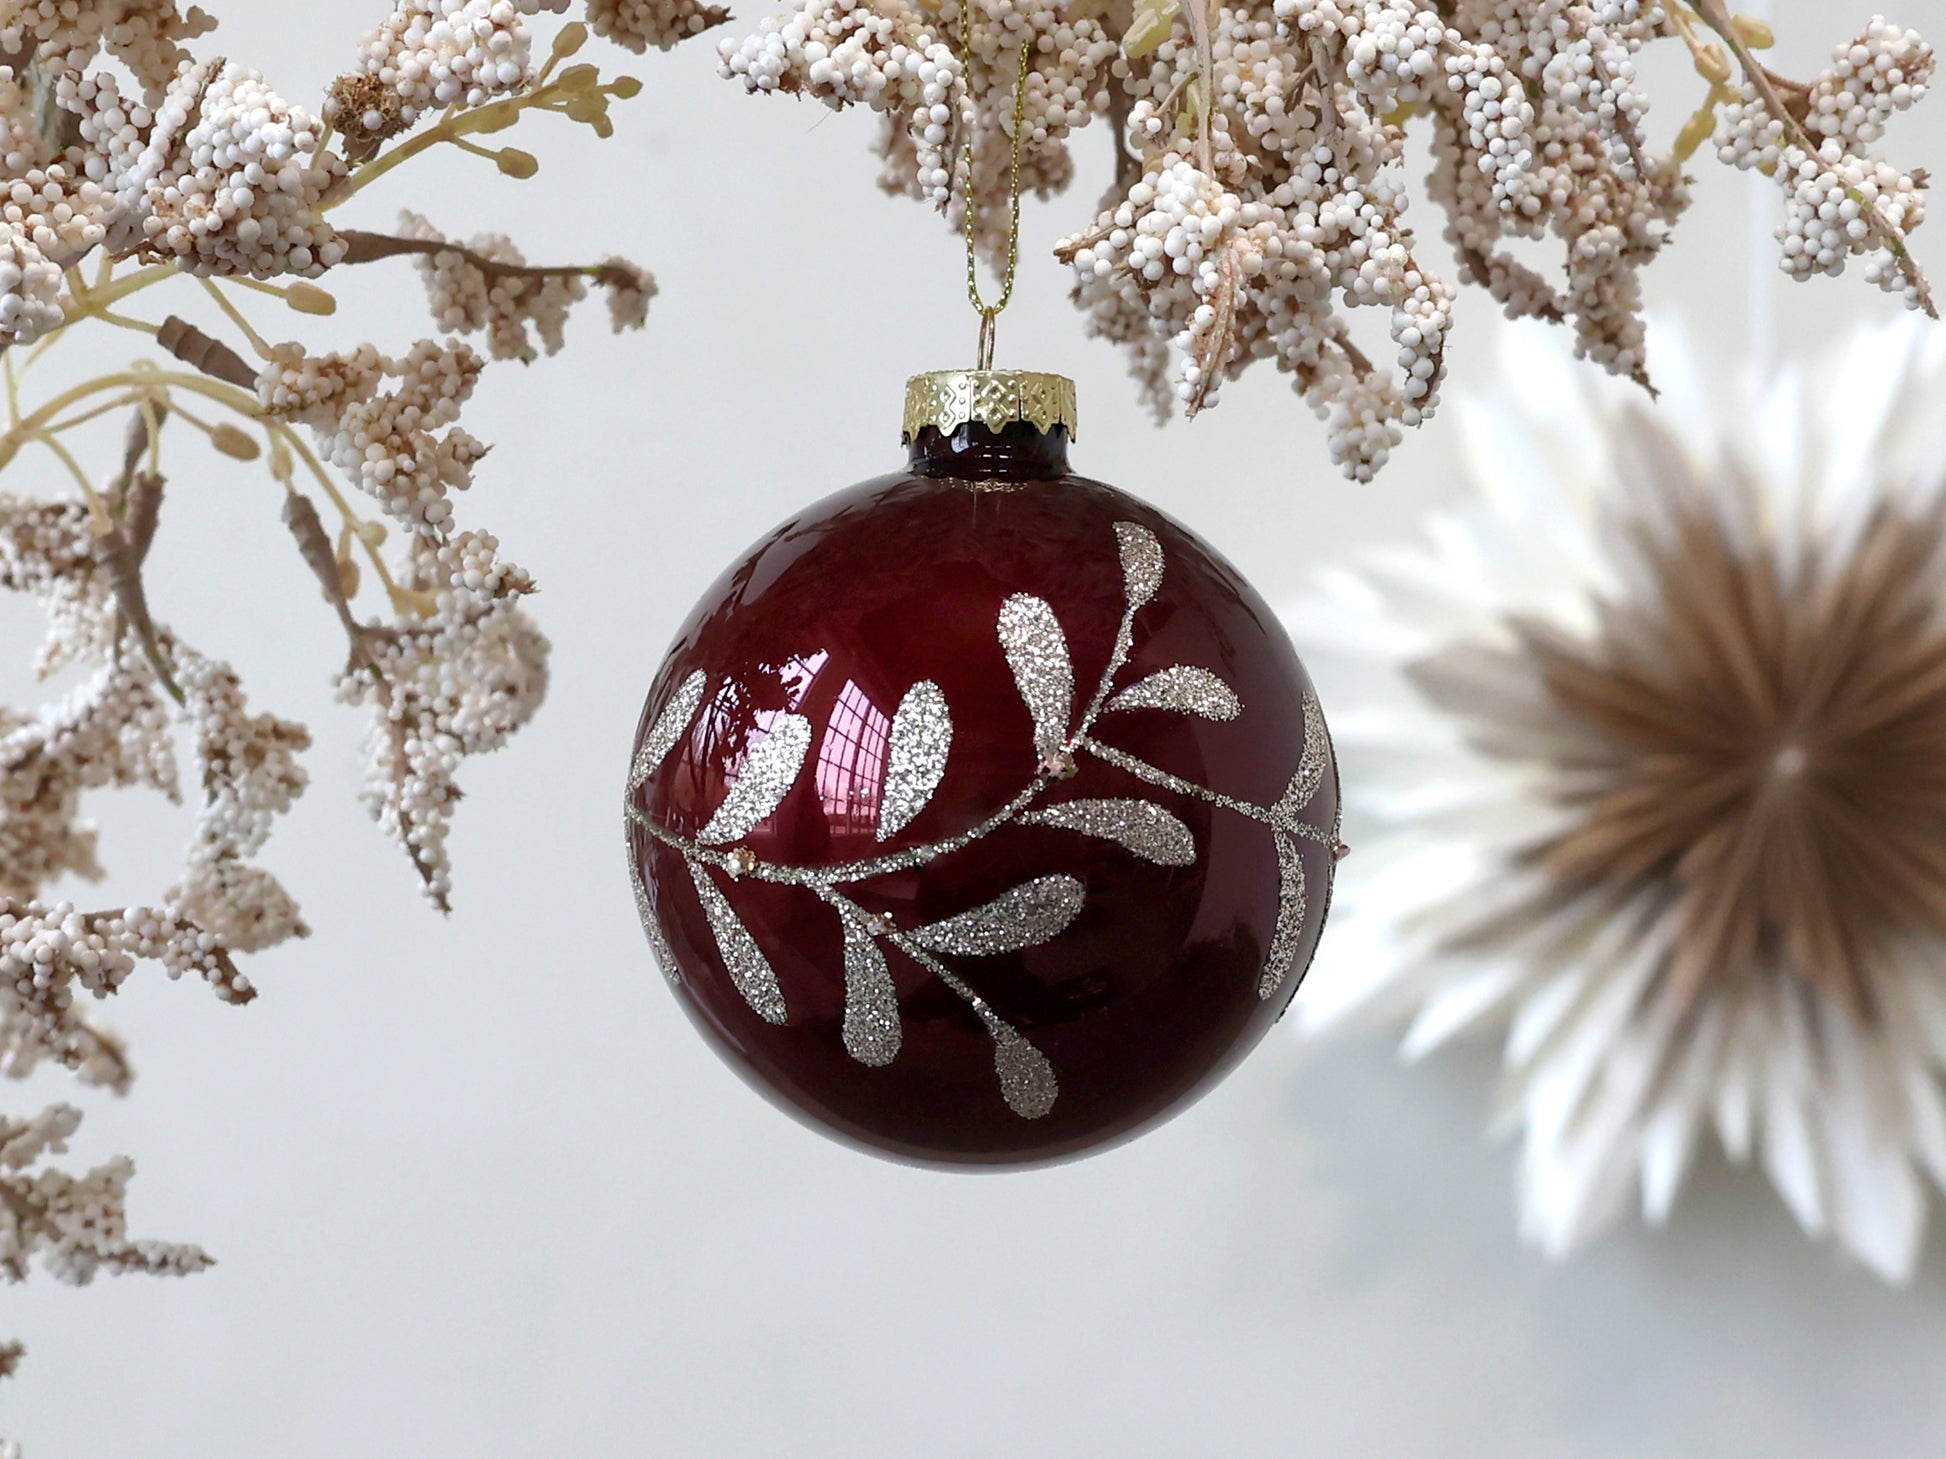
(1260, 189)
(431, 54)
(52, 954)
(52, 213)
(75, 1226)
(630, 288)
(212, 171)
(883, 54)
(400, 445)
(144, 35)
(903, 61)
(231, 179)
(1885, 71)
(466, 299)
(1841, 200)
(455, 681)
(485, 286)
(250, 776)
(109, 729)
(639, 24)
(1245, 244)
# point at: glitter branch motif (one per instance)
(1034, 912)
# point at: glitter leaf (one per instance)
(651, 927)
(1026, 1078)
(1142, 826)
(1183, 689)
(763, 782)
(872, 1030)
(668, 727)
(1037, 651)
(749, 970)
(1141, 562)
(1291, 907)
(1029, 914)
(922, 733)
(1310, 761)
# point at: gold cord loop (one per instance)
(989, 326)
(989, 313)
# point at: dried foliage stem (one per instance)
(364, 247)
(204, 172)
(1261, 192)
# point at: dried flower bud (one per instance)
(307, 298)
(1754, 32)
(516, 163)
(234, 441)
(588, 107)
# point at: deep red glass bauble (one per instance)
(939, 868)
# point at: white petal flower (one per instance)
(1642, 744)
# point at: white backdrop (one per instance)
(475, 1187)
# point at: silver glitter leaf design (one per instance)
(917, 745)
(1141, 562)
(745, 962)
(1291, 907)
(872, 1030)
(922, 734)
(1184, 689)
(1037, 651)
(1026, 1078)
(763, 783)
(668, 728)
(658, 944)
(1310, 761)
(1029, 914)
(1142, 826)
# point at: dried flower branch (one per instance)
(75, 1227)
(211, 174)
(1260, 192)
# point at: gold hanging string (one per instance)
(989, 313)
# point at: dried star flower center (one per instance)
(1763, 749)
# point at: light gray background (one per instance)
(476, 1188)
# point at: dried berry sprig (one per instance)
(207, 173)
(1260, 193)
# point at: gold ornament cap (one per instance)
(949, 399)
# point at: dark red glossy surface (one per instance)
(1150, 995)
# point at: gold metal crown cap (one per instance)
(949, 399)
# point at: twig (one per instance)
(314, 546)
(364, 247)
(136, 498)
(202, 352)
(1584, 19)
